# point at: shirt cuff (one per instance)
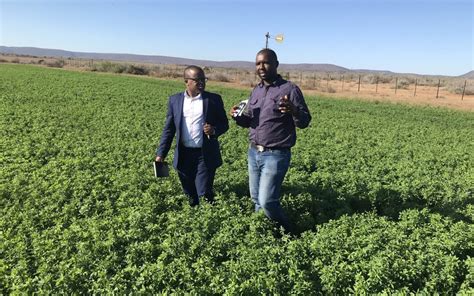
(296, 114)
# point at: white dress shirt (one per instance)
(192, 127)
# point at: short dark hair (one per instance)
(272, 54)
(193, 67)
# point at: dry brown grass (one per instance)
(373, 87)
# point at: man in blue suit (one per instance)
(198, 118)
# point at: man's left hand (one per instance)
(286, 106)
(209, 130)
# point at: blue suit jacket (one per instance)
(214, 114)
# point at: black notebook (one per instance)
(161, 169)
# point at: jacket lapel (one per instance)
(179, 114)
(205, 104)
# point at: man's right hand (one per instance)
(159, 159)
(232, 110)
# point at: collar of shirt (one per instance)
(186, 96)
(279, 81)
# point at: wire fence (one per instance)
(326, 82)
(394, 84)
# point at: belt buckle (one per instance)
(260, 148)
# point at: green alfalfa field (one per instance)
(382, 195)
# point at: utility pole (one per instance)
(278, 38)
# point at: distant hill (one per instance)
(157, 59)
(382, 72)
(468, 75)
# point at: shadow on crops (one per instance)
(308, 205)
(455, 210)
(240, 189)
(390, 203)
(311, 204)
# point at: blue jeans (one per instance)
(267, 170)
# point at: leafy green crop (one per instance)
(381, 193)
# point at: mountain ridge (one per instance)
(158, 59)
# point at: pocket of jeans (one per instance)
(278, 161)
(283, 152)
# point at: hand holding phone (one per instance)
(237, 111)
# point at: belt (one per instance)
(261, 148)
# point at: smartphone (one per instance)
(240, 108)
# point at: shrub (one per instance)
(172, 74)
(247, 82)
(372, 79)
(385, 79)
(136, 70)
(469, 91)
(220, 77)
(110, 67)
(56, 64)
(403, 83)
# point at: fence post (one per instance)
(327, 83)
(396, 84)
(376, 84)
(463, 89)
(358, 88)
(342, 79)
(437, 91)
(416, 83)
(314, 80)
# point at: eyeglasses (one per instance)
(200, 79)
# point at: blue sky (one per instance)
(417, 36)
